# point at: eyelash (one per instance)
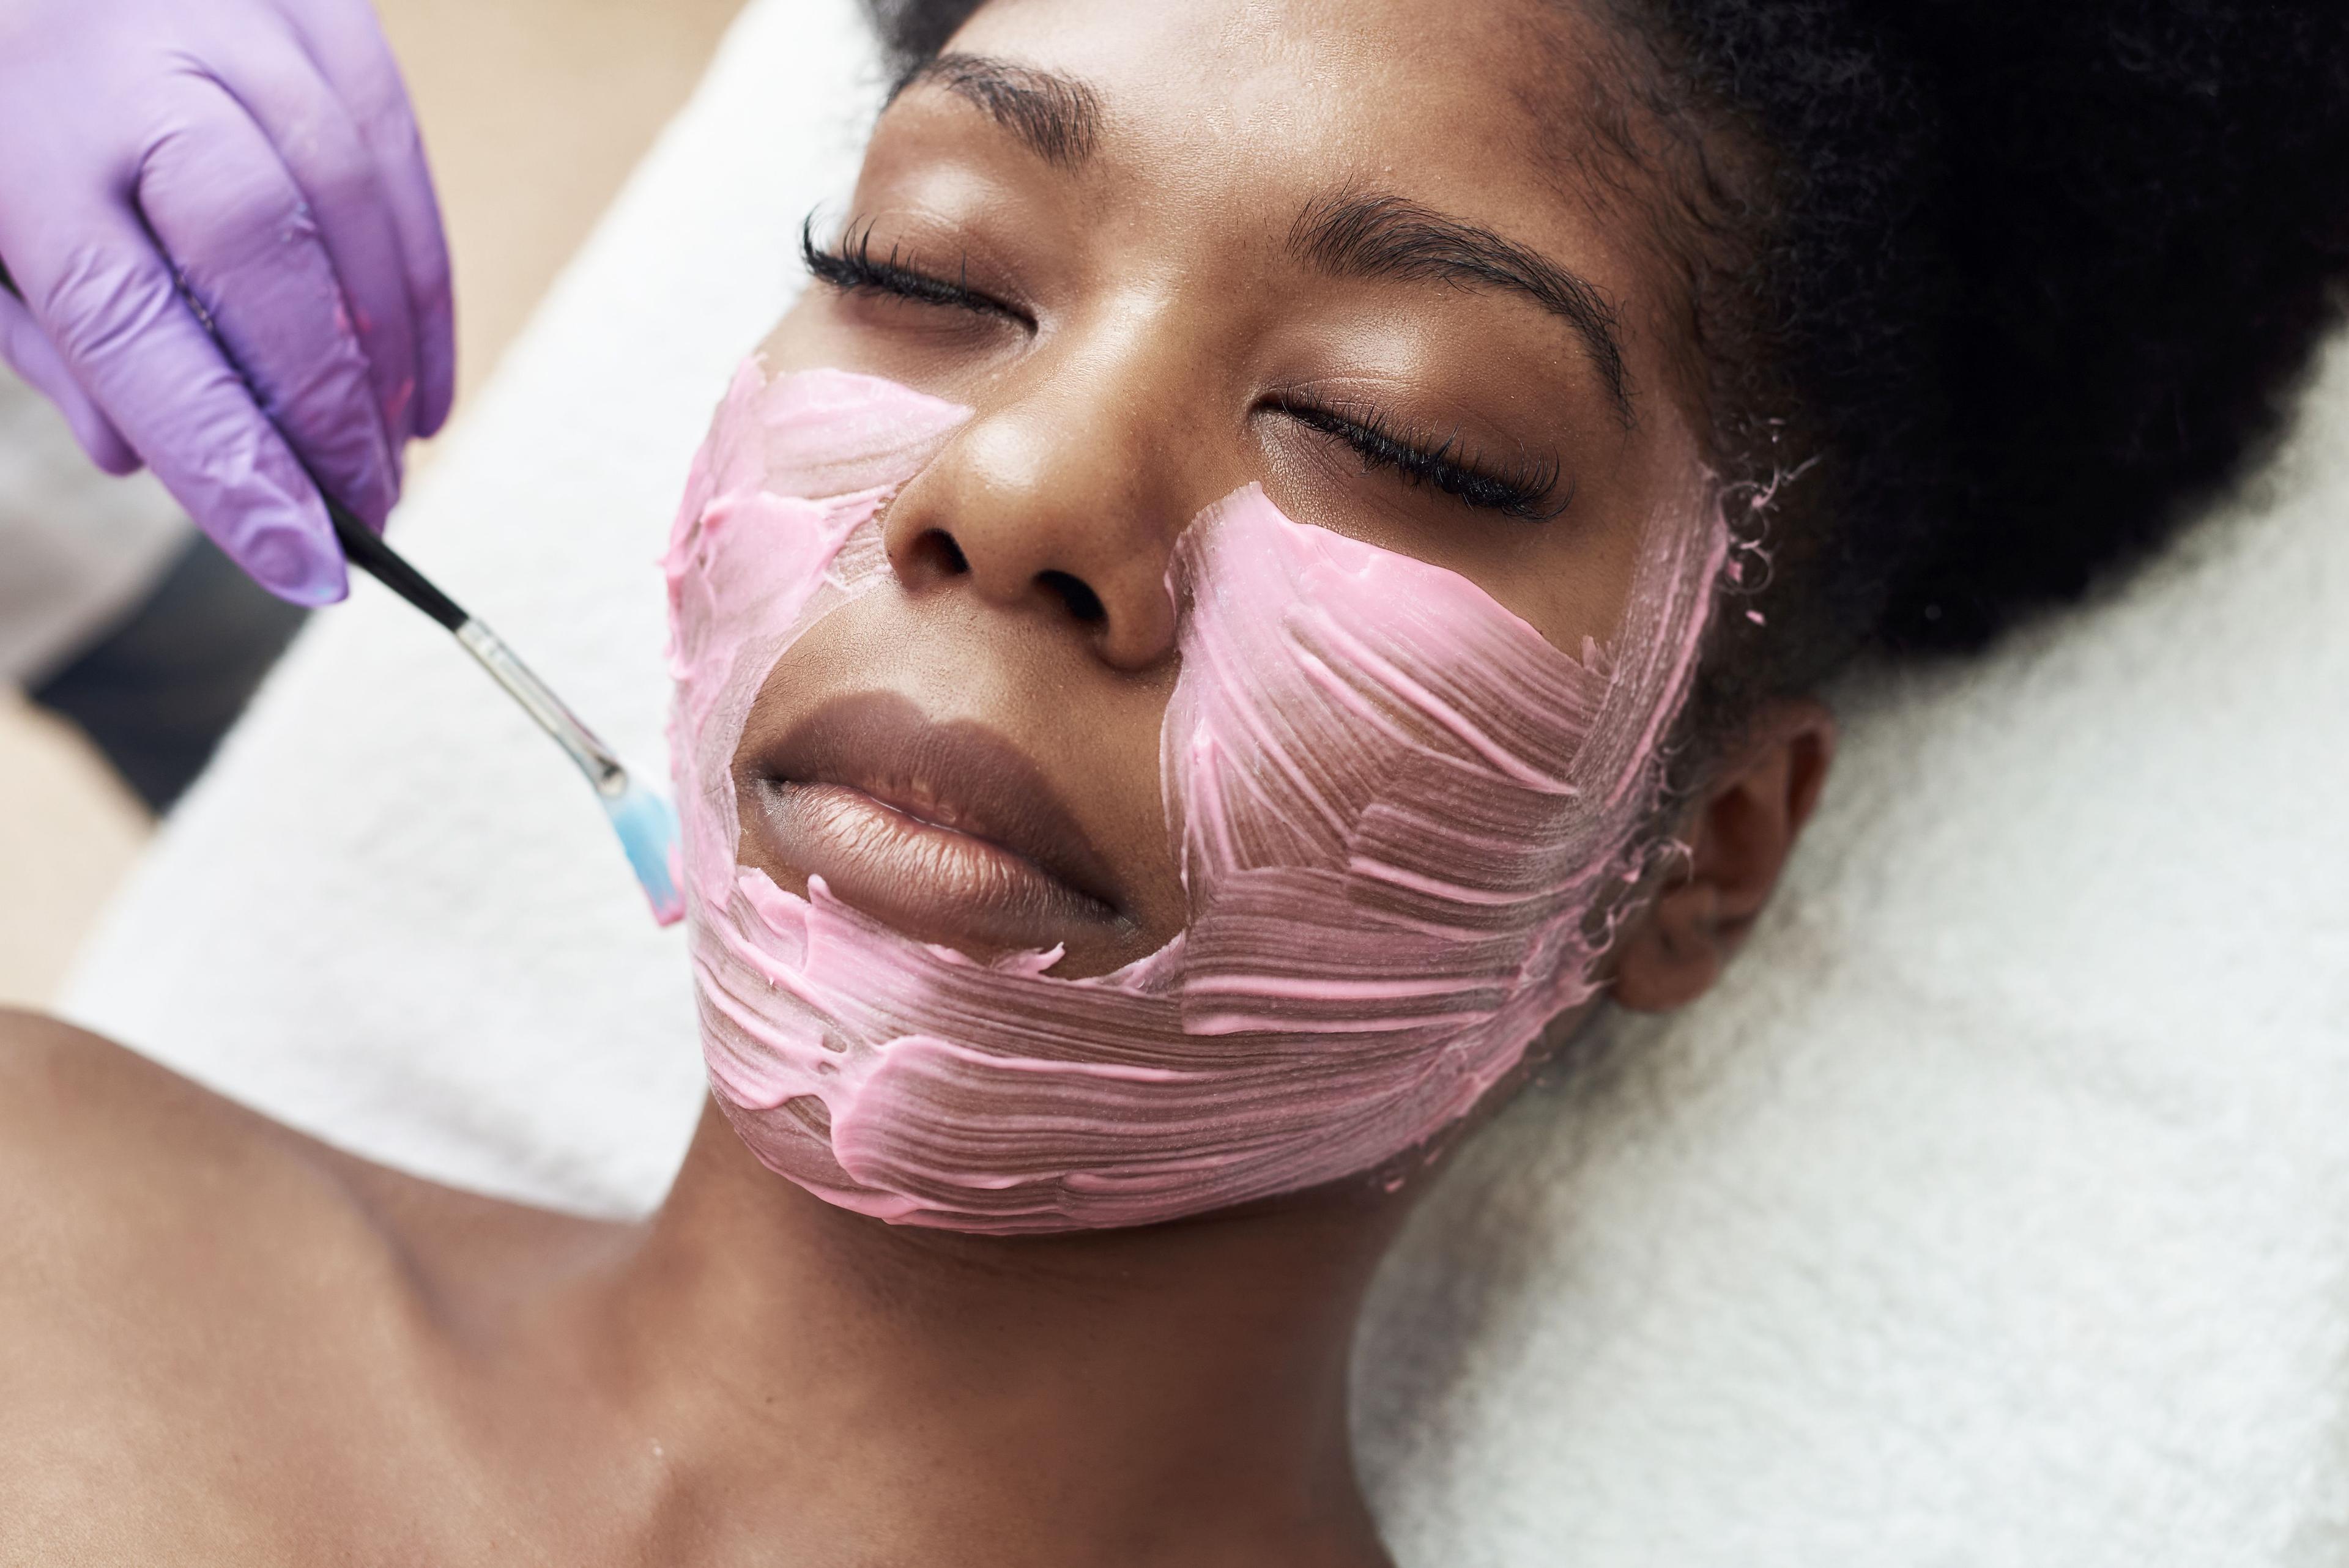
(1524, 491)
(854, 269)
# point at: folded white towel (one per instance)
(1990, 1213)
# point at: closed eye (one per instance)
(852, 268)
(1528, 489)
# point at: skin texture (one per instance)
(224, 1343)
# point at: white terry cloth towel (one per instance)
(1990, 1213)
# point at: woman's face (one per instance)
(1362, 255)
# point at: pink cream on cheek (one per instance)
(1397, 811)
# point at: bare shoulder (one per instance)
(59, 1085)
(101, 1140)
(195, 1303)
(221, 1340)
(109, 1161)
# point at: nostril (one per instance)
(937, 552)
(1082, 603)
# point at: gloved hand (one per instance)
(249, 167)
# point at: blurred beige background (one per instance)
(534, 112)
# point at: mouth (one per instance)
(945, 830)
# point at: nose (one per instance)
(1040, 509)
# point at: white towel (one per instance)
(1991, 1212)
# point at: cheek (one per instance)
(774, 531)
(1406, 820)
(1390, 790)
(1402, 822)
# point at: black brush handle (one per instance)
(367, 552)
(384, 564)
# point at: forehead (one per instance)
(1314, 50)
(1221, 121)
(1479, 92)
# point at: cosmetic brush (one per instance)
(644, 820)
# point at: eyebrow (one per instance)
(1058, 117)
(1356, 233)
(1373, 236)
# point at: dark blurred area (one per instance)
(115, 614)
(158, 690)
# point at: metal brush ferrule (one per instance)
(595, 758)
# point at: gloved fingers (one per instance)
(115, 316)
(241, 237)
(347, 43)
(306, 130)
(28, 349)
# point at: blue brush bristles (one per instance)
(647, 828)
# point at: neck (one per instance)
(1109, 1396)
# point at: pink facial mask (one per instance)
(1404, 823)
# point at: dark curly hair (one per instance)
(2028, 281)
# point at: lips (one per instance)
(946, 832)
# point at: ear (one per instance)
(1739, 834)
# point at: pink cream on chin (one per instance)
(1403, 818)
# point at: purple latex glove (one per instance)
(219, 215)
